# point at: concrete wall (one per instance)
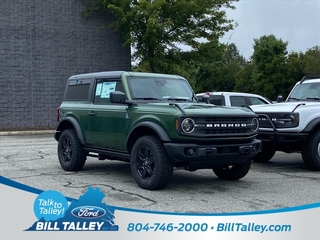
(42, 43)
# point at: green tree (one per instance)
(218, 66)
(232, 54)
(243, 79)
(269, 66)
(301, 64)
(207, 61)
(233, 62)
(158, 28)
(312, 61)
(295, 70)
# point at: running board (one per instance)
(106, 154)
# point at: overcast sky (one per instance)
(297, 22)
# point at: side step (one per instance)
(103, 154)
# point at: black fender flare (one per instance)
(76, 126)
(155, 127)
(310, 126)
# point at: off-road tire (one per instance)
(311, 151)
(265, 155)
(150, 166)
(70, 151)
(234, 172)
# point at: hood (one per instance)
(202, 109)
(282, 107)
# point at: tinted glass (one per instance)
(257, 101)
(238, 101)
(78, 90)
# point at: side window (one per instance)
(103, 89)
(78, 89)
(200, 98)
(217, 100)
(256, 101)
(238, 101)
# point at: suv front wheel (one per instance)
(265, 155)
(70, 151)
(150, 166)
(311, 151)
(233, 172)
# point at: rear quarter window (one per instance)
(78, 90)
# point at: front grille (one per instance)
(225, 131)
(226, 119)
(223, 126)
(264, 121)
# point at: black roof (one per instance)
(309, 77)
(115, 74)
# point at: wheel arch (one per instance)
(69, 123)
(146, 128)
(314, 124)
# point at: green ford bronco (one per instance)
(154, 122)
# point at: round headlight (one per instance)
(187, 125)
(255, 124)
(290, 119)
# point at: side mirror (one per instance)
(279, 99)
(117, 97)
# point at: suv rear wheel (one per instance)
(70, 151)
(233, 172)
(150, 166)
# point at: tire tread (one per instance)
(237, 172)
(309, 156)
(78, 152)
(164, 165)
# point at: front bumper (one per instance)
(280, 137)
(285, 141)
(209, 156)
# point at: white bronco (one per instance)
(292, 125)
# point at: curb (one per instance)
(20, 133)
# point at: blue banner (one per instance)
(36, 213)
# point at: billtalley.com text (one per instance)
(252, 227)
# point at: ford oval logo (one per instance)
(88, 212)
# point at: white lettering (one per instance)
(87, 212)
(82, 226)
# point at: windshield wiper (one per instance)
(292, 98)
(148, 98)
(179, 99)
(313, 98)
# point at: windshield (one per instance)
(306, 91)
(161, 89)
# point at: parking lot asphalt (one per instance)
(30, 132)
(31, 159)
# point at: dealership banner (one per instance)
(29, 212)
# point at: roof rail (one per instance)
(308, 77)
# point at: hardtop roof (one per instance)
(117, 74)
(97, 74)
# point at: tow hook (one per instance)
(245, 150)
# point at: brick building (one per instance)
(42, 43)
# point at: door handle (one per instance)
(92, 114)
